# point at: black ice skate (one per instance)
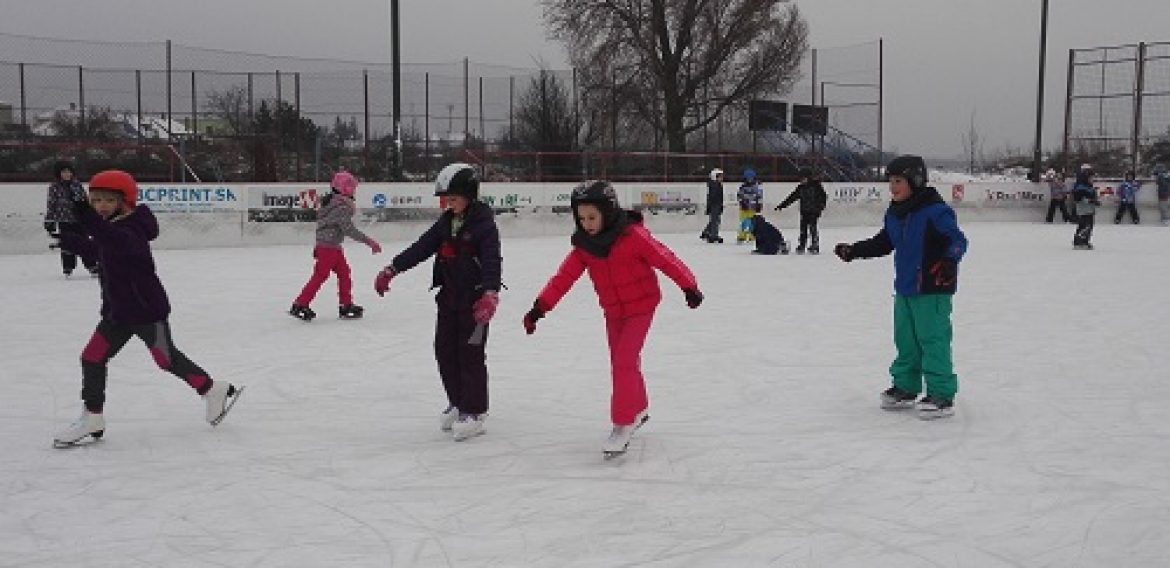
(895, 398)
(814, 249)
(350, 312)
(932, 407)
(800, 248)
(303, 313)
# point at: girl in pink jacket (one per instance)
(620, 255)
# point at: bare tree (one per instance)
(231, 106)
(660, 56)
(972, 146)
(544, 119)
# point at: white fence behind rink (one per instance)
(211, 215)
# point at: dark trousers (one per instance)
(808, 227)
(109, 338)
(1084, 230)
(712, 229)
(1055, 204)
(68, 259)
(1131, 208)
(462, 366)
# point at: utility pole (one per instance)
(1036, 158)
(396, 75)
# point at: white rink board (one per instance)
(213, 215)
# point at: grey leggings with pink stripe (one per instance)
(109, 338)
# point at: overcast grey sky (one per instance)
(944, 59)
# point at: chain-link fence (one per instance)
(1117, 111)
(191, 113)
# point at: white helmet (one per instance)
(716, 173)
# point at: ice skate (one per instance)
(895, 398)
(814, 249)
(220, 398)
(468, 426)
(800, 248)
(619, 438)
(932, 407)
(350, 312)
(87, 425)
(447, 418)
(303, 313)
(783, 248)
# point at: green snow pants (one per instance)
(922, 335)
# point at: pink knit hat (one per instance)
(344, 183)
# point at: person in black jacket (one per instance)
(59, 217)
(714, 207)
(813, 198)
(466, 245)
(769, 239)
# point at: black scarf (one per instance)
(918, 199)
(600, 244)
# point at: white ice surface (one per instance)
(766, 446)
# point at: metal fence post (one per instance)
(1068, 97)
(365, 117)
(466, 104)
(482, 124)
(83, 130)
(1139, 89)
(297, 121)
(427, 121)
(170, 137)
(138, 97)
(194, 111)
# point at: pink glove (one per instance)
(382, 280)
(374, 246)
(485, 307)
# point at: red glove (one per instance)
(532, 317)
(374, 246)
(485, 307)
(382, 280)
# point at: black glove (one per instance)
(532, 317)
(694, 297)
(944, 272)
(51, 228)
(844, 251)
(82, 208)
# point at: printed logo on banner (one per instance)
(379, 200)
(280, 198)
(957, 191)
(1017, 195)
(188, 199)
(857, 194)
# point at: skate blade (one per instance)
(228, 407)
(608, 455)
(88, 440)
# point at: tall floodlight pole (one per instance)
(1036, 160)
(396, 74)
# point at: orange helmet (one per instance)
(116, 181)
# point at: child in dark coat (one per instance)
(769, 239)
(813, 199)
(466, 245)
(59, 217)
(134, 302)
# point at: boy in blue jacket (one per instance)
(1127, 198)
(923, 233)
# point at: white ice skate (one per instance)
(619, 437)
(88, 424)
(932, 408)
(468, 426)
(447, 418)
(220, 398)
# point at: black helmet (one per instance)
(457, 179)
(913, 168)
(598, 192)
(61, 166)
(806, 173)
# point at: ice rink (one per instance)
(766, 445)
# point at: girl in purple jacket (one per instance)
(134, 302)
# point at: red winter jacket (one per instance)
(624, 281)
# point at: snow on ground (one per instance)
(766, 446)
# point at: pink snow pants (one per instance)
(626, 337)
(329, 259)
